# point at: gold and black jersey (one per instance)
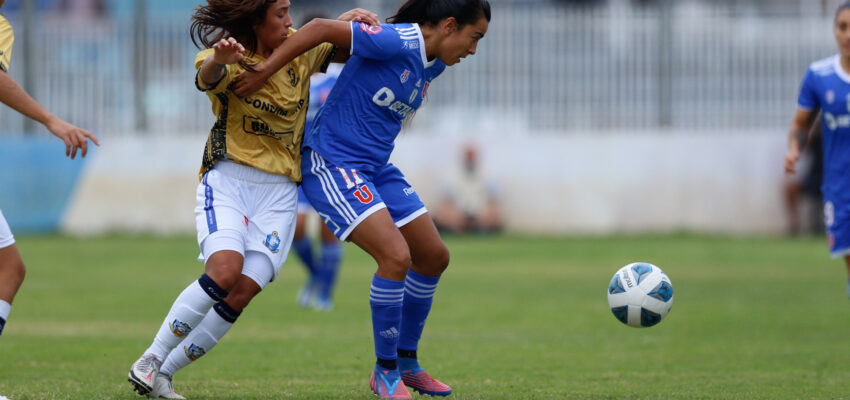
(7, 38)
(265, 129)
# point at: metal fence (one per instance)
(552, 66)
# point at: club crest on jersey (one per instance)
(370, 29)
(194, 351)
(272, 242)
(293, 78)
(405, 76)
(830, 96)
(179, 329)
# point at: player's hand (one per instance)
(249, 81)
(360, 15)
(74, 138)
(791, 158)
(228, 51)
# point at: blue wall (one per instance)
(36, 182)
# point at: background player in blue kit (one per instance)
(348, 179)
(322, 268)
(826, 87)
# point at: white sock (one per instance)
(185, 314)
(201, 340)
(5, 308)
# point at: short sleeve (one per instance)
(7, 38)
(221, 85)
(320, 57)
(378, 42)
(808, 98)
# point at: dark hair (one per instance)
(431, 12)
(843, 6)
(223, 18)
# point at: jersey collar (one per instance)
(425, 61)
(839, 70)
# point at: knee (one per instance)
(19, 271)
(242, 294)
(225, 270)
(395, 259)
(437, 260)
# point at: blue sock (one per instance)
(418, 296)
(331, 254)
(304, 248)
(2, 324)
(385, 299)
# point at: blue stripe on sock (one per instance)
(386, 317)
(419, 295)
(212, 225)
(2, 324)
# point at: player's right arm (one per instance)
(808, 104)
(226, 51)
(14, 96)
(798, 136)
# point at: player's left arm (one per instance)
(14, 96)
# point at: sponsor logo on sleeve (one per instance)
(370, 29)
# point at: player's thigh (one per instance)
(401, 199)
(378, 236)
(218, 207)
(272, 227)
(342, 197)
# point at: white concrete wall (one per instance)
(586, 183)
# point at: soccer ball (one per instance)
(640, 295)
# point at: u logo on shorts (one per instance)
(364, 195)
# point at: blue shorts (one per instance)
(837, 221)
(344, 197)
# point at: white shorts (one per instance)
(244, 202)
(6, 238)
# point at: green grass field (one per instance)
(514, 318)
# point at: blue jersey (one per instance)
(383, 82)
(320, 88)
(827, 87)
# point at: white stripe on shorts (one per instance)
(333, 194)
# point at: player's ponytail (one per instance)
(431, 12)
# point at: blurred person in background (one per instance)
(322, 268)
(803, 199)
(347, 176)
(826, 87)
(470, 203)
(12, 269)
(247, 199)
